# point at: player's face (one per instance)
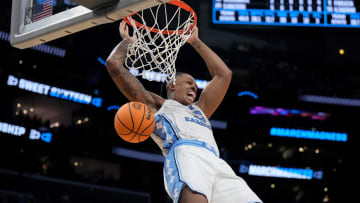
(185, 89)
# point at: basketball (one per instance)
(134, 122)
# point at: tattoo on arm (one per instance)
(120, 51)
(114, 72)
(197, 45)
(129, 85)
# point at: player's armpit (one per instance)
(159, 101)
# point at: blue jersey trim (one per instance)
(166, 130)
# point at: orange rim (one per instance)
(178, 3)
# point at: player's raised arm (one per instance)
(128, 84)
(214, 93)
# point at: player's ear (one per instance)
(171, 86)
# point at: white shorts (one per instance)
(197, 165)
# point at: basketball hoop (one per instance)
(158, 34)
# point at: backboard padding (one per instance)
(73, 20)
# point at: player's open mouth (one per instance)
(191, 95)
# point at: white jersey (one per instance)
(185, 137)
(175, 121)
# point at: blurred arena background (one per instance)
(288, 125)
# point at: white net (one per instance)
(158, 34)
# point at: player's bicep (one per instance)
(213, 94)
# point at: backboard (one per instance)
(35, 22)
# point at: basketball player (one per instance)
(193, 171)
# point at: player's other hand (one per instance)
(124, 31)
(194, 35)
